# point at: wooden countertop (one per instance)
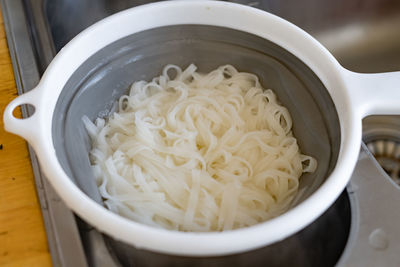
(22, 235)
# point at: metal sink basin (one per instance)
(364, 35)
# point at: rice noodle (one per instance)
(197, 152)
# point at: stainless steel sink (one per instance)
(364, 35)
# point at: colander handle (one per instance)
(376, 93)
(28, 128)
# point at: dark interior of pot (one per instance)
(105, 76)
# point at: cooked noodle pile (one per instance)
(197, 152)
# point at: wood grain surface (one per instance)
(22, 235)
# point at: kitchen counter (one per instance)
(22, 235)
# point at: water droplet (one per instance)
(378, 239)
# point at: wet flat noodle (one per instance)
(197, 152)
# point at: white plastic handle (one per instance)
(28, 128)
(376, 93)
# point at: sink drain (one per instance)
(381, 134)
(387, 153)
